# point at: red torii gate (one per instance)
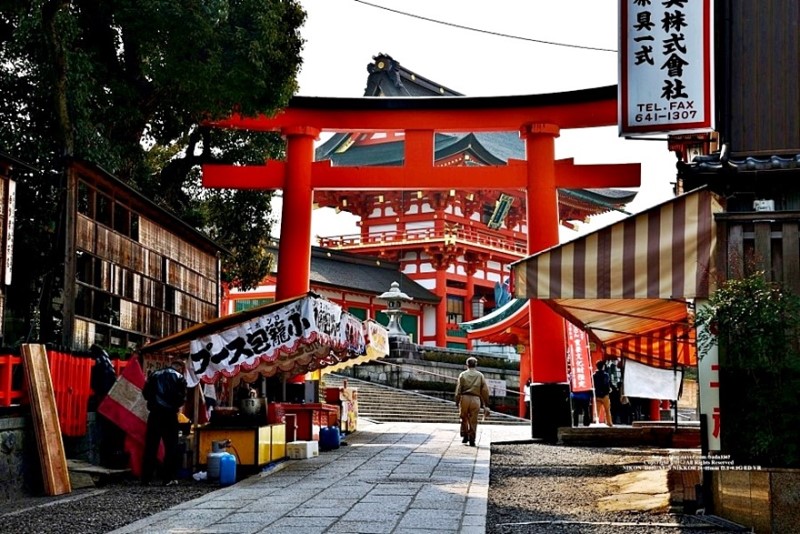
(538, 118)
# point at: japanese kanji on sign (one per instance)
(665, 69)
(297, 336)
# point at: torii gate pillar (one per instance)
(546, 327)
(539, 118)
(294, 258)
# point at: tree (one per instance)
(127, 84)
(756, 325)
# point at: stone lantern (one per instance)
(394, 299)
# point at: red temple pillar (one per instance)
(294, 252)
(469, 297)
(546, 327)
(441, 308)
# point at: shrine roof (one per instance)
(715, 162)
(608, 198)
(506, 325)
(387, 78)
(9, 162)
(495, 317)
(493, 149)
(362, 273)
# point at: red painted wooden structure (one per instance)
(70, 374)
(538, 118)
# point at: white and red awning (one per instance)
(630, 285)
(290, 337)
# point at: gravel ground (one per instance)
(95, 510)
(547, 489)
(534, 488)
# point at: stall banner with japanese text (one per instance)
(377, 339)
(665, 69)
(354, 334)
(298, 329)
(580, 364)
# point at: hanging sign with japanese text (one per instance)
(580, 373)
(665, 68)
(294, 334)
(377, 339)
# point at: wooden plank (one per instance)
(763, 248)
(791, 256)
(735, 252)
(55, 472)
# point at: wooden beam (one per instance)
(571, 176)
(270, 176)
(55, 472)
(511, 176)
(576, 109)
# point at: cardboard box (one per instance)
(297, 450)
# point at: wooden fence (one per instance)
(71, 375)
(761, 241)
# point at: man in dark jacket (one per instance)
(602, 390)
(165, 393)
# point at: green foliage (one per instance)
(460, 359)
(756, 325)
(423, 385)
(127, 85)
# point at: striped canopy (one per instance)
(630, 285)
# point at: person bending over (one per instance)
(165, 393)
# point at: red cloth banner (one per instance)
(579, 362)
(125, 407)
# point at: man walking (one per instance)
(165, 393)
(472, 393)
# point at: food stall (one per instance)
(259, 351)
(345, 397)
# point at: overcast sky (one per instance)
(509, 56)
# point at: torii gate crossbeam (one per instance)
(538, 119)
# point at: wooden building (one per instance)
(757, 164)
(135, 272)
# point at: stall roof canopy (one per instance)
(177, 344)
(629, 285)
(292, 336)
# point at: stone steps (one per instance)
(383, 403)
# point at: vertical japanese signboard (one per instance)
(578, 354)
(666, 72)
(10, 208)
(708, 381)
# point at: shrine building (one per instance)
(458, 244)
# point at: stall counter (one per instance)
(311, 417)
(253, 446)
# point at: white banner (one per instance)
(648, 382)
(666, 82)
(299, 330)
